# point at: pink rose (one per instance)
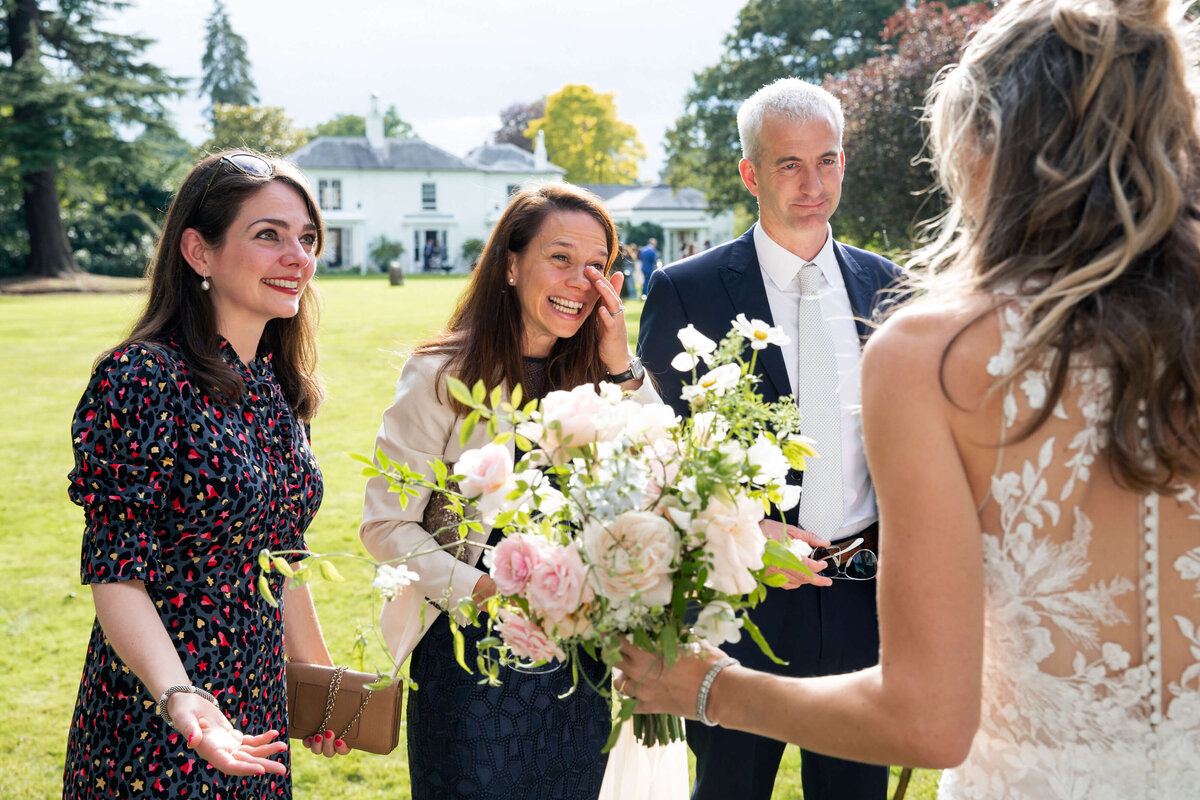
(525, 639)
(633, 556)
(558, 584)
(569, 418)
(513, 560)
(733, 542)
(485, 470)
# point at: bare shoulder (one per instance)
(938, 349)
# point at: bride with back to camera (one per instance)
(1032, 421)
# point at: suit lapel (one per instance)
(744, 282)
(860, 289)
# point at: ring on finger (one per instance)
(620, 310)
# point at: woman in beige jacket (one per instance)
(540, 312)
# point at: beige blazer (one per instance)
(416, 429)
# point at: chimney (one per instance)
(375, 124)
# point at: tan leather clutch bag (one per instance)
(335, 698)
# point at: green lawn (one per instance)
(47, 345)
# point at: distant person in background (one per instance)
(649, 257)
(191, 456)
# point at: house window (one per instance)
(512, 189)
(429, 196)
(329, 194)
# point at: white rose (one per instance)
(717, 624)
(733, 541)
(650, 422)
(633, 556)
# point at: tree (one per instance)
(584, 137)
(514, 121)
(226, 65)
(394, 127)
(68, 92)
(887, 191)
(808, 39)
(264, 128)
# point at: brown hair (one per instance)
(484, 336)
(1067, 142)
(209, 200)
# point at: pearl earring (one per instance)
(512, 281)
(205, 285)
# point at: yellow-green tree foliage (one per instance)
(584, 136)
(263, 128)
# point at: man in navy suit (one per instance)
(793, 163)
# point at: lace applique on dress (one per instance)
(1083, 603)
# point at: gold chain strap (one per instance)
(335, 686)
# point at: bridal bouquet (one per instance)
(621, 519)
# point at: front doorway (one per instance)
(431, 251)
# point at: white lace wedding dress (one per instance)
(1091, 682)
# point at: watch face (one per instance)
(636, 368)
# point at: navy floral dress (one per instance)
(181, 491)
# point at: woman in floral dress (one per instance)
(191, 455)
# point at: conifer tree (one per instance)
(68, 91)
(225, 63)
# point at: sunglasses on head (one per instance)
(245, 163)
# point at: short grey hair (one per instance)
(791, 98)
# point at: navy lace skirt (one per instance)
(515, 742)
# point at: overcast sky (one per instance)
(449, 66)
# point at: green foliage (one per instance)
(772, 39)
(264, 128)
(394, 127)
(886, 189)
(384, 251)
(642, 233)
(584, 136)
(225, 64)
(515, 120)
(78, 109)
(472, 249)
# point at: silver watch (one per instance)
(634, 373)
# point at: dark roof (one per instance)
(506, 158)
(354, 152)
(658, 196)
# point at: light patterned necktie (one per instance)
(817, 395)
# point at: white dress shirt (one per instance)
(780, 267)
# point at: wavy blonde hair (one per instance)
(1067, 142)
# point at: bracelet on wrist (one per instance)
(183, 687)
(706, 687)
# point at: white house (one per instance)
(682, 214)
(411, 191)
(414, 192)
